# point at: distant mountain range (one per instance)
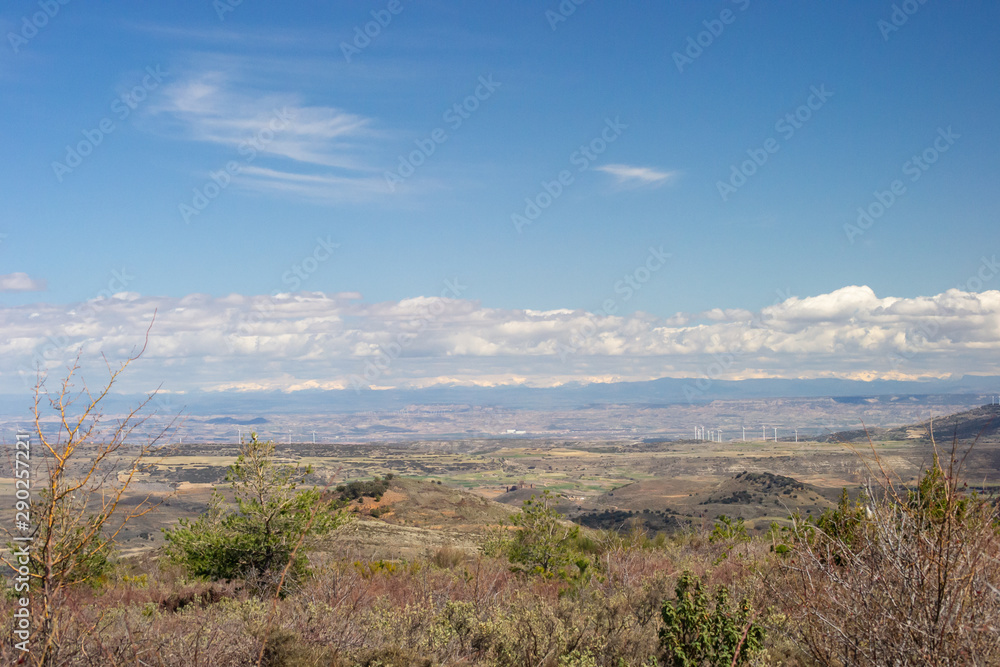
(663, 391)
(241, 422)
(653, 392)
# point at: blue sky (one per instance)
(310, 130)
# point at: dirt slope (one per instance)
(416, 518)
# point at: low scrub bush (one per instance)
(899, 576)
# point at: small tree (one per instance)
(258, 538)
(83, 501)
(694, 635)
(544, 544)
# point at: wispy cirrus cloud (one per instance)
(629, 176)
(296, 148)
(21, 282)
(313, 186)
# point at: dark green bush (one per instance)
(694, 635)
(372, 488)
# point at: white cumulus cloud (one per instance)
(20, 282)
(314, 340)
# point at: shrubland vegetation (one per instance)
(897, 575)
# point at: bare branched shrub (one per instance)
(82, 499)
(902, 577)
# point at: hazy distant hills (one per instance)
(241, 422)
(663, 391)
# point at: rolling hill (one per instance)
(757, 497)
(416, 518)
(982, 423)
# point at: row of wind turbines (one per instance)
(239, 436)
(715, 435)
